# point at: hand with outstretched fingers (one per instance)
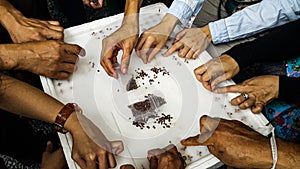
(261, 90)
(153, 40)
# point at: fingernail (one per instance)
(92, 156)
(115, 75)
(124, 70)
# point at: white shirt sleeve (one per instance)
(185, 9)
(254, 19)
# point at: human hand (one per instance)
(96, 4)
(190, 43)
(154, 39)
(261, 90)
(22, 29)
(124, 39)
(234, 143)
(216, 71)
(166, 158)
(90, 146)
(53, 159)
(53, 59)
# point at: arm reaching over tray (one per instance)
(87, 150)
(123, 39)
(237, 145)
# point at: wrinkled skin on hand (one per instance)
(90, 146)
(234, 143)
(216, 71)
(189, 43)
(166, 158)
(22, 29)
(261, 90)
(95, 4)
(53, 59)
(153, 40)
(124, 39)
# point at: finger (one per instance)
(69, 58)
(173, 48)
(100, 2)
(66, 67)
(207, 85)
(207, 76)
(105, 68)
(190, 54)
(199, 71)
(79, 160)
(198, 140)
(90, 159)
(155, 51)
(145, 49)
(171, 148)
(218, 80)
(118, 146)
(72, 49)
(51, 33)
(102, 157)
(139, 45)
(61, 75)
(182, 52)
(196, 54)
(56, 23)
(180, 35)
(107, 64)
(95, 6)
(111, 160)
(247, 103)
(208, 124)
(231, 89)
(125, 60)
(153, 163)
(257, 108)
(155, 152)
(237, 100)
(86, 2)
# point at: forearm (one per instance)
(169, 22)
(25, 100)
(8, 60)
(288, 154)
(132, 7)
(131, 14)
(14, 56)
(7, 14)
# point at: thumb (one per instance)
(198, 140)
(191, 141)
(118, 146)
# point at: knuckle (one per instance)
(150, 38)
